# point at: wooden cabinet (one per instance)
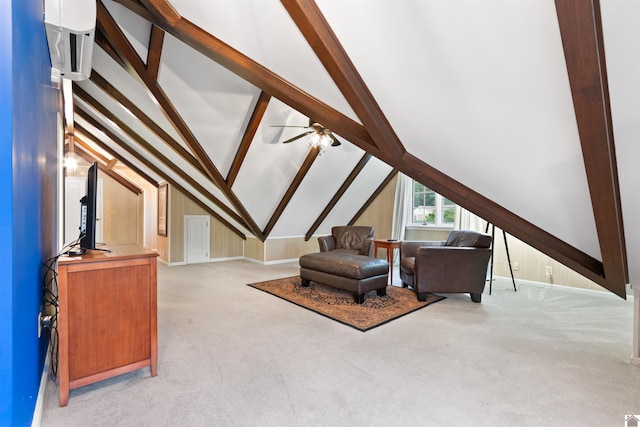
(107, 320)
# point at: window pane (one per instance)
(430, 208)
(430, 198)
(448, 215)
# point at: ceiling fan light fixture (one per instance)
(70, 162)
(314, 141)
(325, 141)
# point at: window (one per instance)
(430, 208)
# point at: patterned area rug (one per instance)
(339, 305)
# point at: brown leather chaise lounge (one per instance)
(457, 265)
(346, 261)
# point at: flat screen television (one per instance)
(88, 211)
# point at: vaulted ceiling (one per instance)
(501, 106)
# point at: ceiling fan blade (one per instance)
(297, 137)
(335, 142)
(286, 126)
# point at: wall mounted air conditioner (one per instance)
(70, 27)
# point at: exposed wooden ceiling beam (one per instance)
(107, 24)
(582, 40)
(90, 158)
(151, 165)
(504, 219)
(121, 99)
(155, 153)
(101, 40)
(247, 137)
(302, 172)
(316, 30)
(126, 162)
(371, 198)
(336, 197)
(123, 48)
(255, 73)
(154, 51)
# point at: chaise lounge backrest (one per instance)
(355, 239)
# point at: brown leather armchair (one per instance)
(355, 239)
(457, 265)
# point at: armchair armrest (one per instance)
(367, 246)
(326, 243)
(409, 248)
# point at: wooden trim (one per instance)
(316, 30)
(151, 165)
(375, 194)
(131, 166)
(163, 209)
(582, 40)
(247, 138)
(154, 51)
(302, 172)
(343, 188)
(118, 97)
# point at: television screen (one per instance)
(88, 210)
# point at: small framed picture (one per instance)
(163, 196)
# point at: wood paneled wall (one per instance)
(122, 213)
(223, 242)
(379, 214)
(531, 265)
(254, 249)
(289, 248)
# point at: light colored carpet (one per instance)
(232, 356)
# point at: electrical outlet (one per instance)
(548, 270)
(515, 266)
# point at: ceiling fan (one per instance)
(320, 135)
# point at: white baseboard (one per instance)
(231, 258)
(38, 410)
(279, 261)
(565, 287)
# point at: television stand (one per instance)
(107, 319)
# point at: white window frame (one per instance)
(438, 216)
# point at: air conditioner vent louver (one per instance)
(70, 26)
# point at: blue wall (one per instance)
(6, 360)
(28, 213)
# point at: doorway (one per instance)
(196, 238)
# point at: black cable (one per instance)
(50, 301)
